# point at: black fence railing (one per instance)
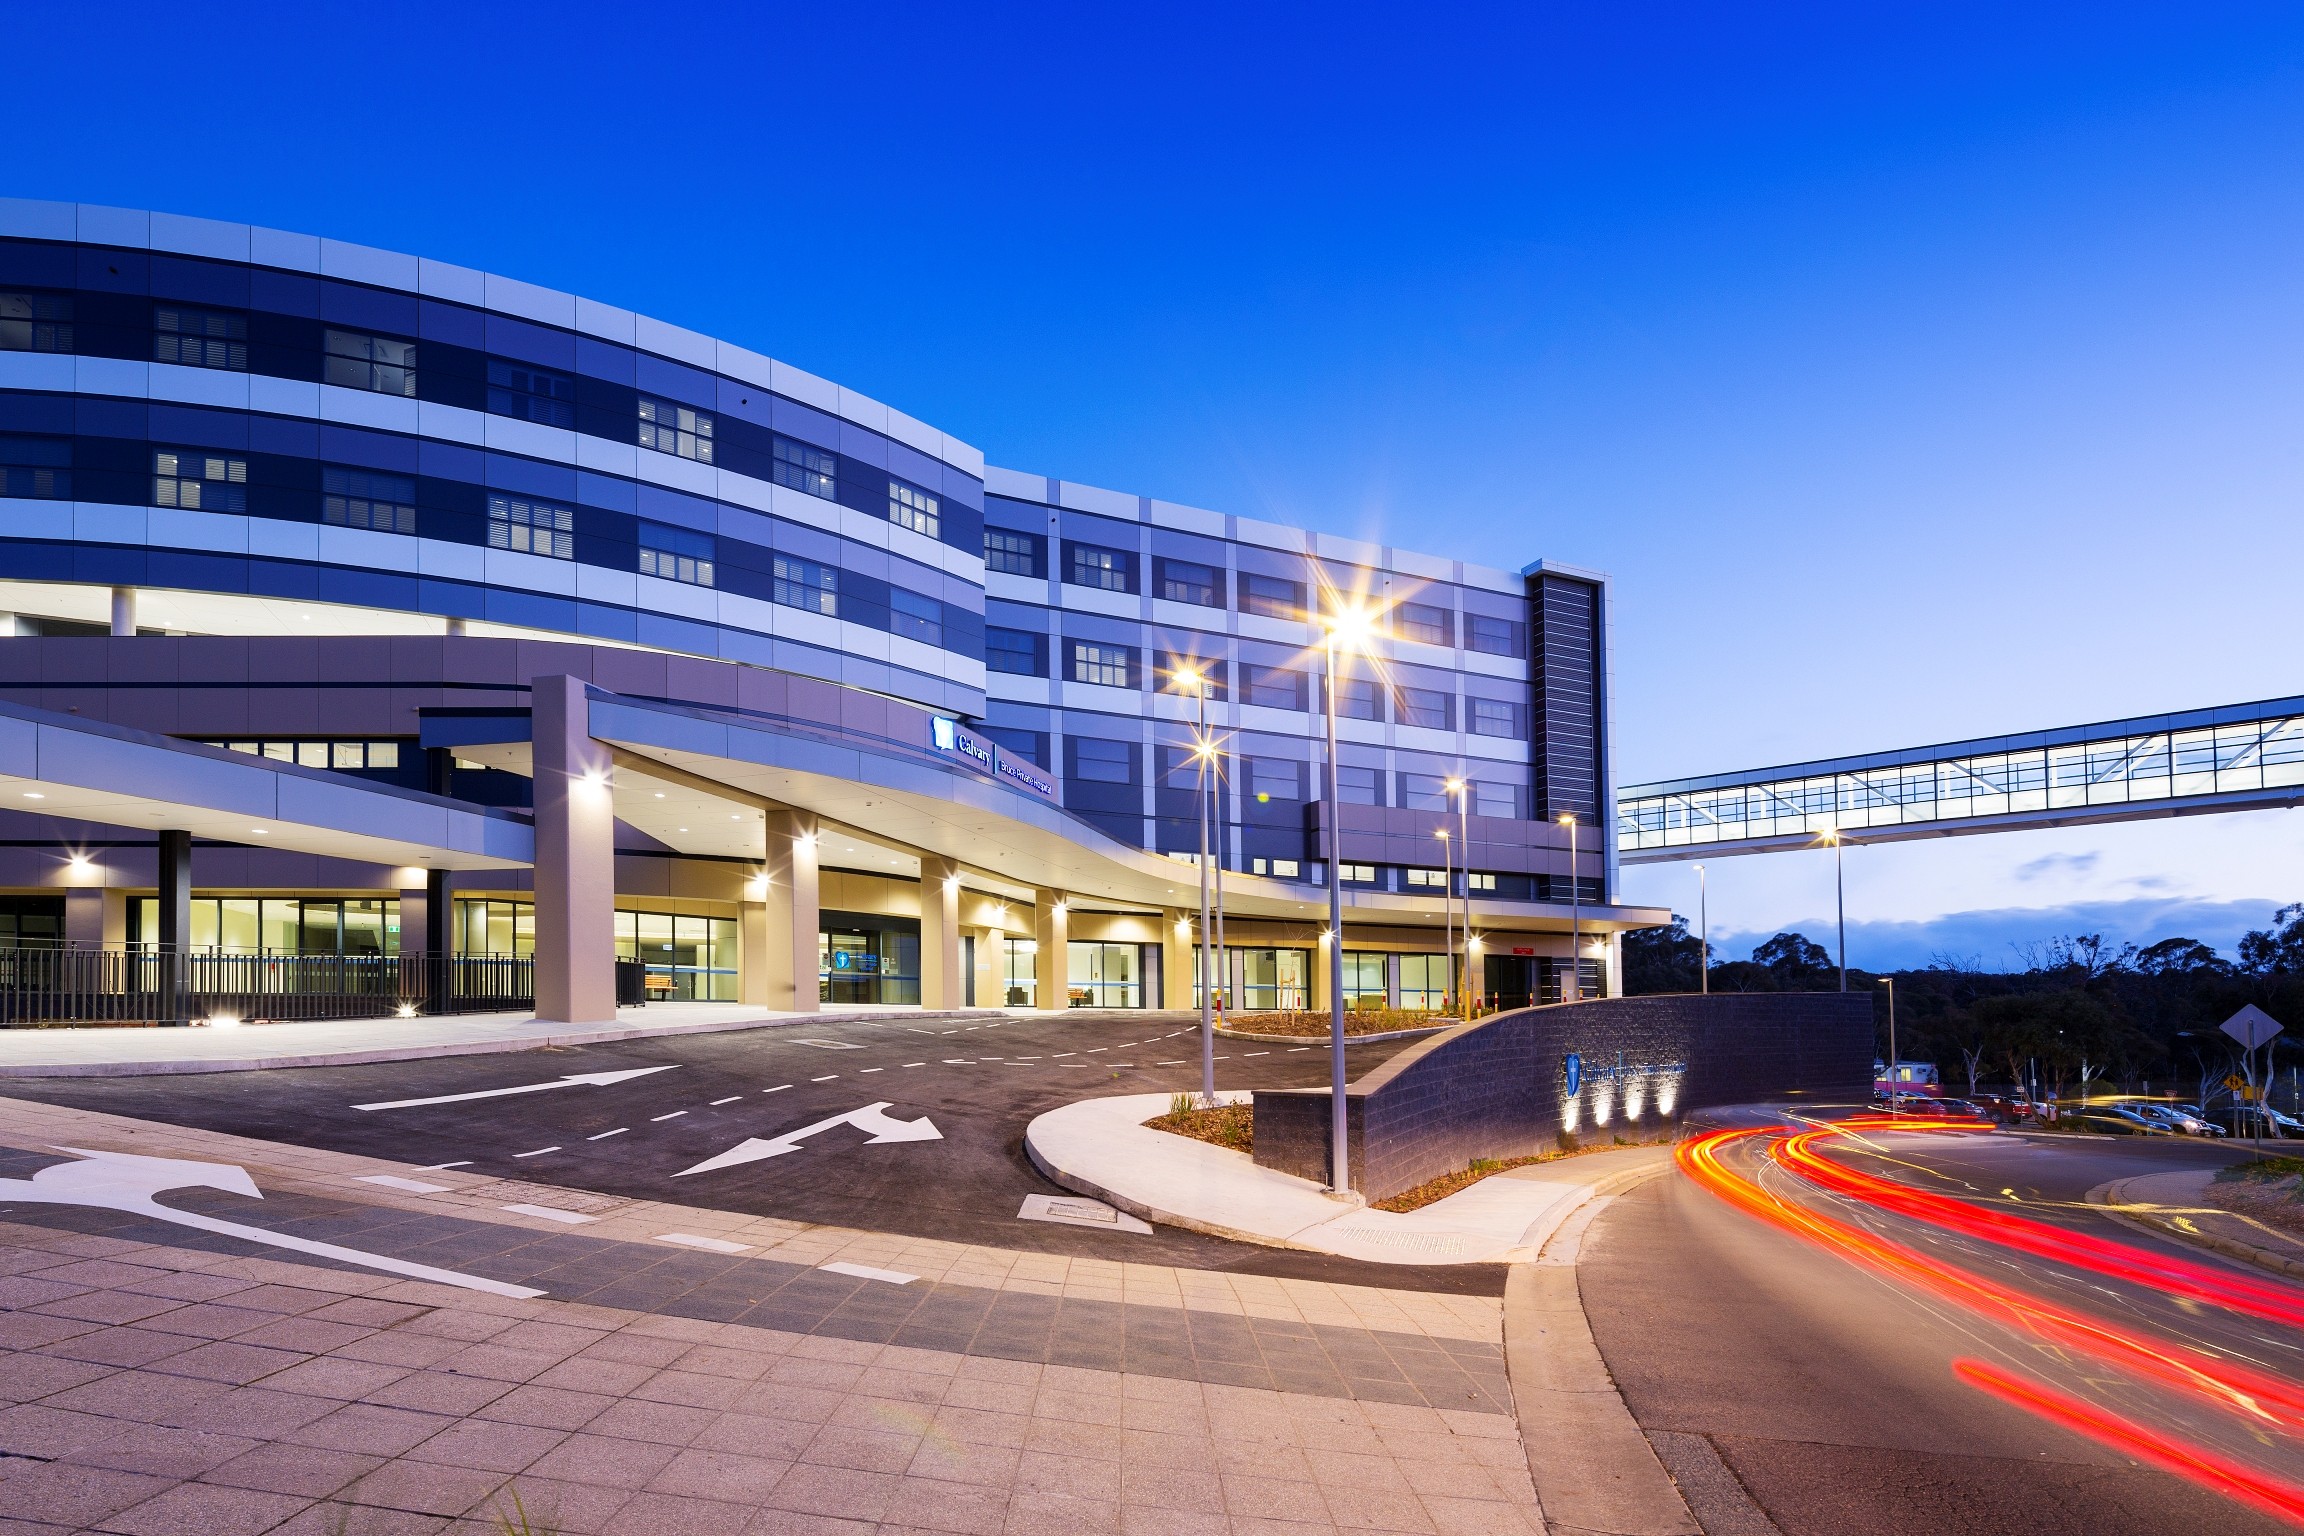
(140, 984)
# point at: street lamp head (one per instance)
(1189, 677)
(1349, 626)
(1830, 837)
(1567, 818)
(1454, 786)
(1440, 833)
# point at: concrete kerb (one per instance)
(509, 1036)
(1390, 1034)
(2123, 1203)
(1593, 1467)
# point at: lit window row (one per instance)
(321, 754)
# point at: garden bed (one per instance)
(1231, 1126)
(1307, 1025)
(2269, 1190)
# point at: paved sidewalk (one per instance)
(140, 1051)
(2176, 1205)
(158, 1380)
(1102, 1147)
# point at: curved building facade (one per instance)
(853, 702)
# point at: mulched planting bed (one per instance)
(1227, 1125)
(2269, 1190)
(1368, 1021)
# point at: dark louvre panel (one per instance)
(1566, 676)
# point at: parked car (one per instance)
(2178, 1120)
(1961, 1109)
(2116, 1120)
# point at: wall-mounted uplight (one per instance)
(404, 1011)
(33, 794)
(222, 1021)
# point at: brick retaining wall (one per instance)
(1498, 1088)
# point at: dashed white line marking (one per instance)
(867, 1272)
(779, 1088)
(716, 1103)
(1060, 1055)
(827, 1077)
(915, 1063)
(604, 1135)
(1292, 1050)
(539, 1152)
(959, 1061)
(436, 1167)
(393, 1181)
(994, 1058)
(572, 1218)
(1255, 1053)
(657, 1119)
(872, 1069)
(1176, 1063)
(1092, 1050)
(708, 1244)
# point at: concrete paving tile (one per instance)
(1153, 1520)
(25, 1378)
(313, 1335)
(690, 1389)
(349, 1381)
(142, 1396)
(487, 1446)
(120, 1347)
(978, 1427)
(615, 1463)
(728, 1476)
(425, 1488)
(441, 1392)
(1480, 1517)
(206, 1509)
(636, 1349)
(365, 1427)
(925, 1505)
(258, 1412)
(1341, 1469)
(32, 1330)
(1041, 1514)
(398, 1346)
(863, 1450)
(1065, 1437)
(665, 1514)
(1271, 1498)
(300, 1469)
(163, 1451)
(788, 1400)
(1143, 1447)
(961, 1462)
(1376, 1509)
(839, 1491)
(547, 1407)
(576, 1509)
(752, 1435)
(587, 1373)
(231, 1361)
(62, 1493)
(1073, 1476)
(214, 1320)
(785, 1522)
(88, 1274)
(1193, 1489)
(658, 1423)
(332, 1519)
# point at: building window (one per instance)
(805, 585)
(355, 755)
(1356, 874)
(35, 322)
(362, 498)
(531, 527)
(1426, 879)
(1360, 786)
(1278, 869)
(680, 430)
(915, 617)
(1104, 975)
(530, 393)
(1032, 746)
(1271, 687)
(1427, 707)
(1421, 621)
(910, 507)
(1359, 699)
(676, 554)
(1481, 882)
(1108, 570)
(1112, 666)
(1275, 778)
(200, 338)
(1014, 651)
(1492, 799)
(1494, 717)
(1188, 581)
(375, 363)
(1011, 554)
(1271, 597)
(199, 482)
(803, 467)
(36, 468)
(1103, 762)
(1497, 637)
(1424, 792)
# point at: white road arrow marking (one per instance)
(124, 1181)
(872, 1117)
(574, 1080)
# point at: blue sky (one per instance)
(1918, 371)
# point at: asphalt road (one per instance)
(1828, 1390)
(977, 1084)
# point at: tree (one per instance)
(1667, 959)
(2179, 957)
(2278, 950)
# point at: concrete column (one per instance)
(1052, 929)
(1179, 943)
(575, 858)
(941, 984)
(752, 966)
(439, 940)
(175, 912)
(124, 610)
(991, 967)
(1323, 976)
(1615, 976)
(791, 921)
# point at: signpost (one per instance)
(2252, 1027)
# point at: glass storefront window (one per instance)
(1104, 975)
(1424, 982)
(869, 960)
(1019, 956)
(1272, 978)
(1365, 984)
(278, 925)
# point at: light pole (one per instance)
(1447, 904)
(1190, 678)
(1703, 934)
(1890, 983)
(1840, 900)
(1574, 991)
(1346, 628)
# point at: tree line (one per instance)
(2081, 1014)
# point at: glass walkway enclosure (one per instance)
(2239, 757)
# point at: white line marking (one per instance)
(1092, 1050)
(604, 1135)
(959, 1061)
(1255, 1053)
(413, 1186)
(779, 1088)
(871, 1069)
(1060, 1055)
(572, 1218)
(992, 1058)
(872, 1118)
(708, 1244)
(1176, 1063)
(574, 1080)
(915, 1063)
(539, 1152)
(1292, 1050)
(867, 1272)
(659, 1119)
(436, 1167)
(827, 1077)
(716, 1103)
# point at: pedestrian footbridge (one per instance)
(2239, 757)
